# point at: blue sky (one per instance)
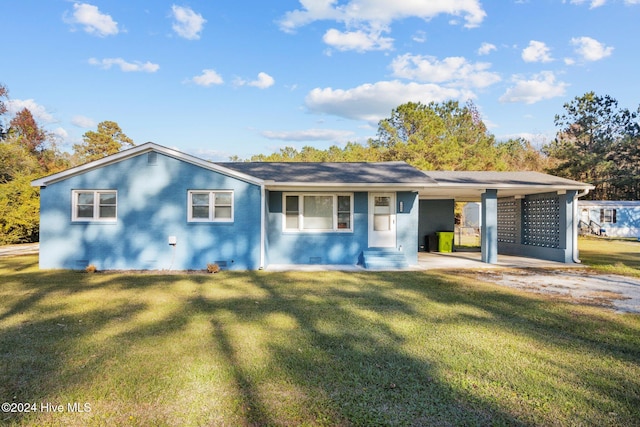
(232, 77)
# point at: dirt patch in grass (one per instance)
(621, 293)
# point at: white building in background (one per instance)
(471, 215)
(609, 218)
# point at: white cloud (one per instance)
(38, 112)
(421, 37)
(127, 67)
(542, 86)
(83, 122)
(455, 70)
(309, 135)
(188, 24)
(210, 154)
(93, 21)
(263, 81)
(597, 3)
(486, 48)
(60, 133)
(536, 52)
(358, 11)
(207, 78)
(373, 102)
(590, 49)
(360, 41)
(537, 140)
(592, 3)
(365, 20)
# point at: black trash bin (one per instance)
(431, 242)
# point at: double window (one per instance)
(210, 206)
(95, 205)
(318, 212)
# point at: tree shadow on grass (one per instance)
(568, 331)
(345, 360)
(39, 357)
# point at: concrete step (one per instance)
(384, 259)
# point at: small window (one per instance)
(95, 205)
(317, 212)
(210, 206)
(608, 216)
(344, 212)
(292, 213)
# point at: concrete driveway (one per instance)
(580, 285)
(23, 249)
(573, 281)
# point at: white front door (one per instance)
(382, 220)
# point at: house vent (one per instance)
(221, 264)
(152, 158)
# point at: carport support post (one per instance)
(489, 236)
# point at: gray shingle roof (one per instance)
(487, 179)
(333, 173)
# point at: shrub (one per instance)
(213, 268)
(91, 268)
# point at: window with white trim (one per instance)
(210, 206)
(94, 205)
(608, 216)
(318, 212)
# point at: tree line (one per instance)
(597, 142)
(434, 136)
(27, 152)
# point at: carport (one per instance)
(528, 214)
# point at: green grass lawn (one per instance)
(332, 348)
(609, 255)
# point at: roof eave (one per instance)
(135, 151)
(487, 186)
(299, 186)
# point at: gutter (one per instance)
(575, 225)
(263, 208)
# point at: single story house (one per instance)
(153, 207)
(610, 218)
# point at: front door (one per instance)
(382, 220)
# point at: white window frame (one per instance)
(301, 229)
(212, 206)
(96, 206)
(608, 215)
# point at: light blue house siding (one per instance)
(612, 218)
(284, 247)
(152, 206)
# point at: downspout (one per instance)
(575, 225)
(263, 207)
